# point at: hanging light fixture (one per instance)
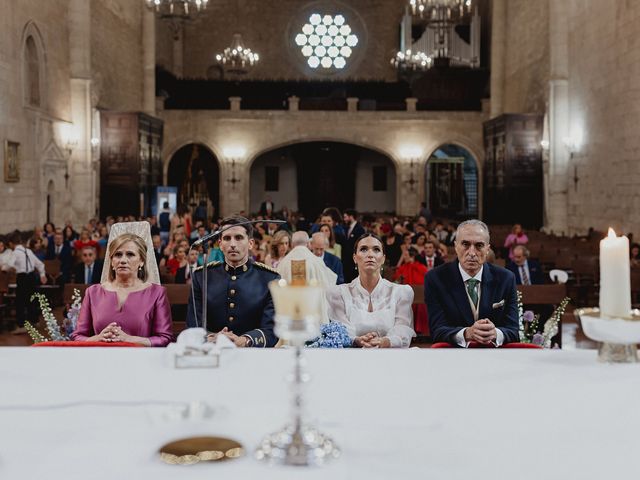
(413, 61)
(176, 12)
(437, 10)
(237, 58)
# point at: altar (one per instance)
(75, 413)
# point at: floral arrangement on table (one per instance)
(51, 324)
(332, 335)
(530, 324)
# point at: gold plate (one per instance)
(188, 451)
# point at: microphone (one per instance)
(211, 235)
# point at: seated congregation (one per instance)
(392, 282)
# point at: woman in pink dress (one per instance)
(516, 237)
(127, 307)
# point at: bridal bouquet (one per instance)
(51, 324)
(332, 335)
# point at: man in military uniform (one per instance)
(239, 304)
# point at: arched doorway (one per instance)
(308, 177)
(194, 170)
(452, 182)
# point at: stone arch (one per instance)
(175, 145)
(474, 205)
(34, 67)
(314, 171)
(195, 170)
(336, 139)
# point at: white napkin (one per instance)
(195, 340)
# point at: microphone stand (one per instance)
(204, 241)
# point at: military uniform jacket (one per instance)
(237, 298)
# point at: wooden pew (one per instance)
(178, 295)
(542, 294)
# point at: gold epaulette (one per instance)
(215, 263)
(262, 266)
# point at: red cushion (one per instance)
(85, 344)
(479, 345)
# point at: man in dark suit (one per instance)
(89, 271)
(354, 231)
(469, 300)
(431, 260)
(319, 242)
(526, 270)
(239, 303)
(267, 208)
(61, 250)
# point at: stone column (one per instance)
(352, 104)
(411, 104)
(148, 61)
(83, 204)
(294, 104)
(557, 177)
(498, 51)
(234, 103)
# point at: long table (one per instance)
(440, 414)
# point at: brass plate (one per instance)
(200, 449)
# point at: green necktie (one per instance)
(471, 290)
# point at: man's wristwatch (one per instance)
(249, 342)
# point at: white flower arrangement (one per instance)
(51, 324)
(529, 322)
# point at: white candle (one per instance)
(615, 274)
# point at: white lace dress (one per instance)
(391, 316)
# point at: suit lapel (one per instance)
(459, 293)
(486, 297)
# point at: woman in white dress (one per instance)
(376, 312)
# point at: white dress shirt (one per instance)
(6, 259)
(460, 340)
(19, 261)
(391, 316)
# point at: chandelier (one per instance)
(237, 58)
(175, 12)
(449, 11)
(413, 61)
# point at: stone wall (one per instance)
(604, 112)
(245, 135)
(526, 66)
(116, 54)
(34, 128)
(265, 29)
(101, 67)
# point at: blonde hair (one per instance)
(141, 246)
(277, 239)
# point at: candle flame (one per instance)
(612, 233)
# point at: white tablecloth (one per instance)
(439, 414)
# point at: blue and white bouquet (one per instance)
(332, 335)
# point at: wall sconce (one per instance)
(573, 143)
(411, 153)
(234, 153)
(69, 137)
